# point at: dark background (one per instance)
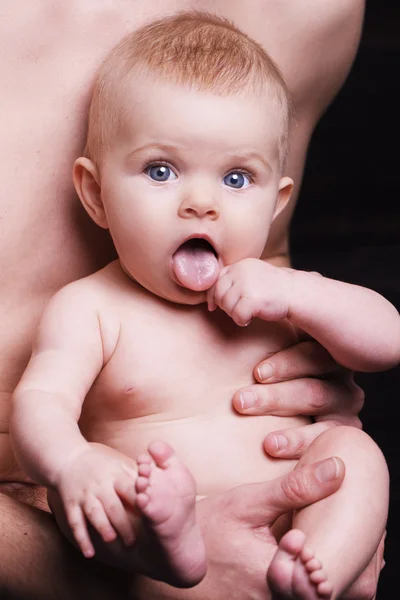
(347, 225)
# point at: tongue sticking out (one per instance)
(195, 265)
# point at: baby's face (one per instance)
(190, 184)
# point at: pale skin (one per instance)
(160, 182)
(48, 242)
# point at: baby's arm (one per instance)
(67, 357)
(46, 405)
(359, 328)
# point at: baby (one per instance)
(187, 140)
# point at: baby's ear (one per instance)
(285, 191)
(86, 180)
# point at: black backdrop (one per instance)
(347, 224)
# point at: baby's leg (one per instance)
(168, 543)
(166, 497)
(334, 539)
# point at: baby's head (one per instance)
(187, 140)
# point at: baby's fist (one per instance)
(252, 288)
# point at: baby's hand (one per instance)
(252, 288)
(93, 486)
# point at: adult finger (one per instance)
(306, 359)
(293, 442)
(262, 503)
(307, 396)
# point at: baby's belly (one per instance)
(221, 450)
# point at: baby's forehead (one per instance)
(167, 102)
(137, 89)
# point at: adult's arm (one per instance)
(314, 44)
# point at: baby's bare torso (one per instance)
(171, 375)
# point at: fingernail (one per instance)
(265, 371)
(328, 470)
(280, 442)
(247, 399)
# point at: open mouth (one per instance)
(198, 244)
(195, 264)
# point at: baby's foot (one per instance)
(294, 571)
(166, 497)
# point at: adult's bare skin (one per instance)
(53, 570)
(50, 50)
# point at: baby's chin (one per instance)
(180, 295)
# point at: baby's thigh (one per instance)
(356, 448)
(345, 528)
(365, 489)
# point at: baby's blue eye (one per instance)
(237, 180)
(160, 173)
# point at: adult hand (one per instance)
(304, 380)
(237, 526)
(301, 380)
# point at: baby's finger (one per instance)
(126, 488)
(222, 286)
(77, 523)
(211, 305)
(96, 515)
(119, 518)
(243, 311)
(230, 299)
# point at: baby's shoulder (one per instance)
(97, 288)
(87, 296)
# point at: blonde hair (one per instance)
(191, 48)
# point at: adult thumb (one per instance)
(263, 503)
